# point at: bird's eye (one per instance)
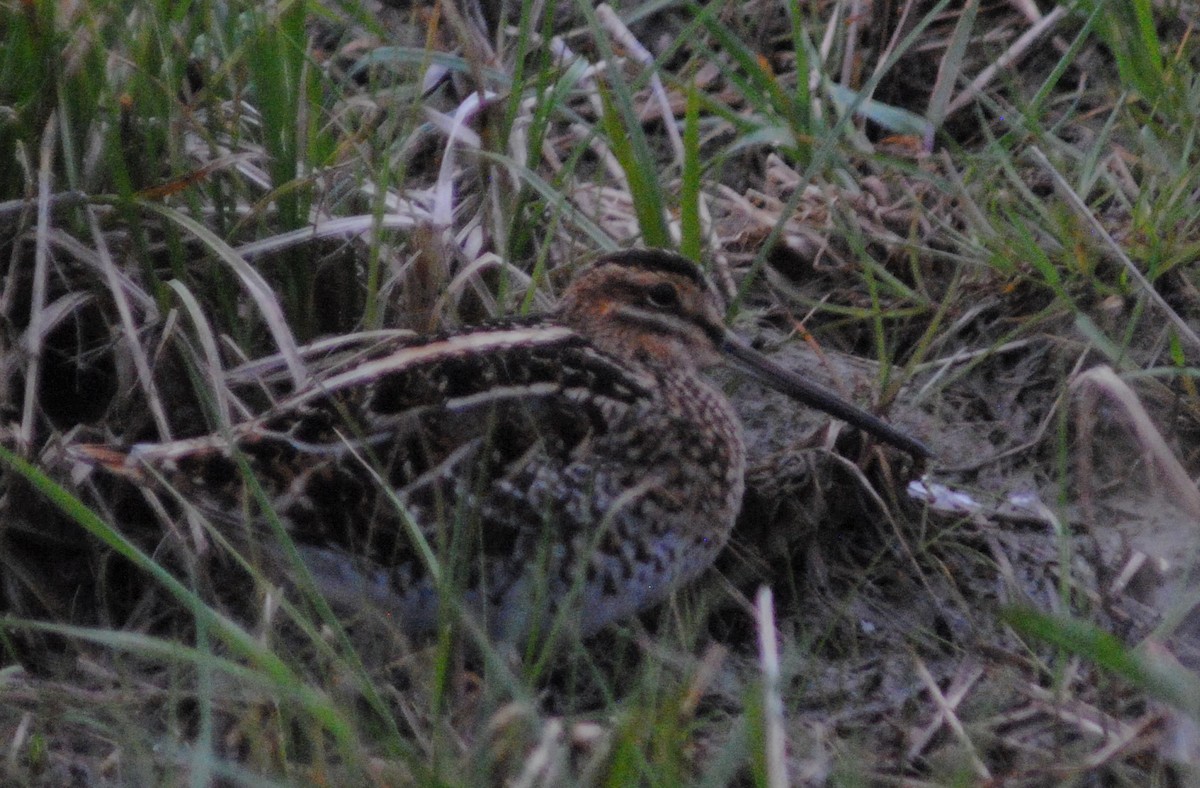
(663, 295)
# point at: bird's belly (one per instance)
(582, 589)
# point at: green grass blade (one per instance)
(233, 635)
(690, 230)
(639, 168)
(627, 140)
(1157, 674)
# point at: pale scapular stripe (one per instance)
(478, 343)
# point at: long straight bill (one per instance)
(762, 369)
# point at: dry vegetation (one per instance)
(981, 218)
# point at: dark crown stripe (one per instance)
(656, 260)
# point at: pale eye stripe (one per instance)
(482, 343)
(658, 320)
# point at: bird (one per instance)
(575, 466)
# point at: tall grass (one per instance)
(207, 183)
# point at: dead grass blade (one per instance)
(768, 660)
(964, 679)
(208, 343)
(254, 283)
(1103, 381)
(1015, 52)
(406, 216)
(141, 361)
(457, 133)
(946, 711)
(37, 305)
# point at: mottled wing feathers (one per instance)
(458, 423)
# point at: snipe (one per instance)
(576, 462)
